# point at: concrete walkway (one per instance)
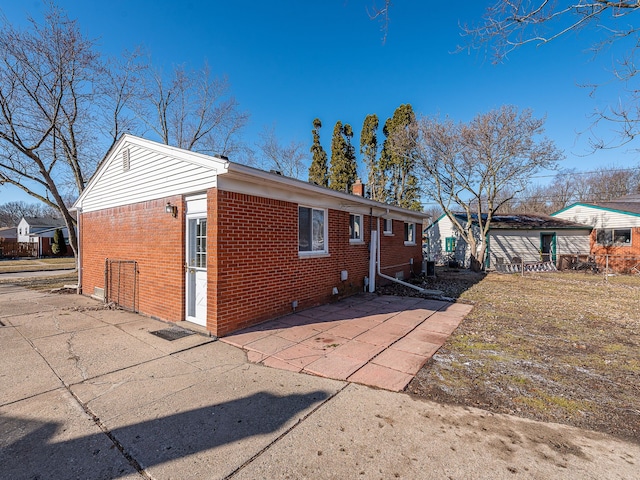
(380, 341)
(91, 393)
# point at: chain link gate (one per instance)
(120, 280)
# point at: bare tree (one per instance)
(12, 212)
(290, 160)
(189, 109)
(47, 122)
(477, 167)
(509, 25)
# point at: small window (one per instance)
(387, 226)
(450, 244)
(311, 230)
(610, 236)
(355, 228)
(410, 233)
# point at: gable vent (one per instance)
(126, 160)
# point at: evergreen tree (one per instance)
(343, 170)
(318, 171)
(369, 151)
(58, 246)
(397, 159)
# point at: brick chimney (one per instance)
(358, 188)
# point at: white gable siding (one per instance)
(152, 174)
(599, 217)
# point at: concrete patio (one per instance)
(380, 341)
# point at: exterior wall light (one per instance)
(172, 209)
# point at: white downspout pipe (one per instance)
(393, 279)
(79, 261)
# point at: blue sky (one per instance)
(290, 61)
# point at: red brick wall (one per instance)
(617, 258)
(394, 255)
(633, 249)
(259, 272)
(145, 233)
(254, 270)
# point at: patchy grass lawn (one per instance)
(36, 264)
(560, 347)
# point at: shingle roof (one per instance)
(528, 221)
(45, 222)
(619, 204)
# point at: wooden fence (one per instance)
(15, 249)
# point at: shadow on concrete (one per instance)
(29, 450)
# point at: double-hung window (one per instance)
(387, 227)
(355, 228)
(410, 233)
(312, 228)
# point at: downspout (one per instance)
(393, 279)
(79, 263)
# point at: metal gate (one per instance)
(120, 281)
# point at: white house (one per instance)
(511, 238)
(31, 228)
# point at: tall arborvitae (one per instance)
(397, 160)
(369, 151)
(343, 170)
(318, 171)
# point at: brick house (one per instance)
(227, 246)
(616, 229)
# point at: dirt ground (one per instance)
(556, 347)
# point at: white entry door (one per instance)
(197, 269)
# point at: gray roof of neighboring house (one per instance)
(528, 221)
(625, 204)
(46, 222)
(9, 232)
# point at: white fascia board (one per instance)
(252, 181)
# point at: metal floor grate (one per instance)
(172, 333)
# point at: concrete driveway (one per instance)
(90, 393)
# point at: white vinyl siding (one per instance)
(151, 175)
(525, 244)
(598, 217)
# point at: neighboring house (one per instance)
(616, 225)
(30, 228)
(40, 230)
(523, 237)
(228, 246)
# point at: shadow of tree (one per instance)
(30, 451)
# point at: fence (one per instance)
(14, 249)
(620, 264)
(120, 280)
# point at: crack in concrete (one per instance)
(75, 357)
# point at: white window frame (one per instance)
(352, 237)
(387, 226)
(409, 233)
(325, 217)
(613, 243)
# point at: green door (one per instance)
(548, 247)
